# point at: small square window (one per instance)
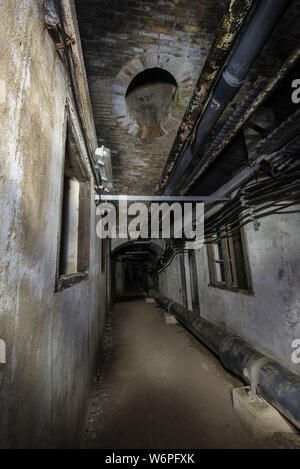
(227, 259)
(69, 227)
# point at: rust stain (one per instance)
(231, 24)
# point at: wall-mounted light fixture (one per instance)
(103, 159)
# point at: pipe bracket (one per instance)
(251, 373)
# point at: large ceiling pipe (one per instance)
(242, 117)
(258, 30)
(279, 386)
(230, 25)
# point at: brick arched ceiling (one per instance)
(120, 38)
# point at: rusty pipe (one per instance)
(258, 30)
(231, 23)
(202, 166)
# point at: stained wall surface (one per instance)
(51, 338)
(268, 318)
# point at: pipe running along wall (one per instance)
(228, 29)
(275, 383)
(260, 27)
(238, 119)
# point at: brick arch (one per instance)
(180, 70)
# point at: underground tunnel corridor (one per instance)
(149, 225)
(160, 388)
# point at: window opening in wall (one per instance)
(228, 262)
(74, 236)
(69, 227)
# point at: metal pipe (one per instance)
(260, 27)
(158, 198)
(202, 166)
(78, 80)
(230, 25)
(275, 383)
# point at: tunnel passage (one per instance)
(69, 72)
(132, 269)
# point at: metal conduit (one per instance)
(203, 164)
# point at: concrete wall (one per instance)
(269, 319)
(52, 339)
(170, 281)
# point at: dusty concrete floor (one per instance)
(160, 388)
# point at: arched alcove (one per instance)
(149, 94)
(150, 98)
